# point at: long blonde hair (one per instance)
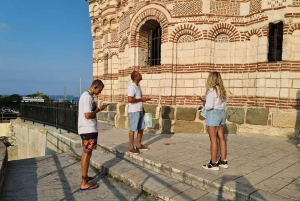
(214, 79)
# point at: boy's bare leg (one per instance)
(131, 139)
(85, 160)
(139, 138)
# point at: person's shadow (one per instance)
(166, 121)
(297, 124)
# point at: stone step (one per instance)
(207, 181)
(151, 182)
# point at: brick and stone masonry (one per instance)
(232, 37)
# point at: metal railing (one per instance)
(60, 115)
(6, 117)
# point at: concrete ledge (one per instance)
(202, 180)
(3, 163)
(149, 181)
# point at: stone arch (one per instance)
(112, 54)
(290, 28)
(141, 19)
(227, 29)
(185, 29)
(123, 43)
(113, 24)
(96, 29)
(258, 32)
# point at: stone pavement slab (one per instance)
(155, 184)
(57, 177)
(254, 162)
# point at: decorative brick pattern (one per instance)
(186, 39)
(276, 3)
(98, 44)
(224, 8)
(288, 29)
(187, 8)
(185, 29)
(296, 2)
(112, 54)
(150, 14)
(222, 38)
(255, 6)
(227, 29)
(124, 24)
(114, 37)
(123, 43)
(258, 32)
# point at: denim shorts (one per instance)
(215, 117)
(136, 121)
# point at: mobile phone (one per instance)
(202, 99)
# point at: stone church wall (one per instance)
(231, 37)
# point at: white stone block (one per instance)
(252, 75)
(284, 93)
(167, 91)
(296, 84)
(285, 83)
(238, 91)
(294, 93)
(251, 91)
(260, 92)
(285, 74)
(294, 75)
(180, 83)
(272, 92)
(189, 83)
(270, 82)
(236, 83)
(180, 91)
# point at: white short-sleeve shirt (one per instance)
(135, 92)
(86, 104)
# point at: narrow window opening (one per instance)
(275, 41)
(155, 46)
(105, 59)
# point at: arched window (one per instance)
(275, 41)
(155, 56)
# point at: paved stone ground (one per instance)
(57, 177)
(264, 166)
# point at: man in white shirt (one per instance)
(136, 112)
(88, 129)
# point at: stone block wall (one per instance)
(252, 121)
(231, 37)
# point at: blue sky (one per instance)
(44, 46)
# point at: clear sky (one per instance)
(44, 46)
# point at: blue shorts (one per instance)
(215, 117)
(136, 121)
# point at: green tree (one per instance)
(11, 102)
(40, 94)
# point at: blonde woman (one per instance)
(215, 103)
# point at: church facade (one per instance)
(255, 45)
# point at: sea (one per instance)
(57, 98)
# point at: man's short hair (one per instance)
(98, 83)
(133, 75)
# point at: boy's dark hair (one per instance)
(98, 83)
(133, 75)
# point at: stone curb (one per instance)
(199, 179)
(3, 164)
(148, 181)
